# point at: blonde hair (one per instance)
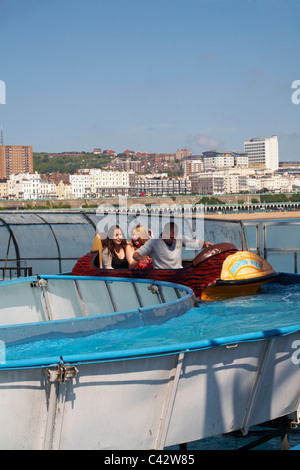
(142, 231)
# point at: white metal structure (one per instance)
(145, 398)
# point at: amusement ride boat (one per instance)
(219, 271)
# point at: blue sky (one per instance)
(149, 75)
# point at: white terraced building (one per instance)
(238, 180)
(30, 186)
(95, 183)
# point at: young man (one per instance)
(165, 251)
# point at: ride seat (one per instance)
(98, 243)
(213, 250)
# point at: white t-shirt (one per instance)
(165, 256)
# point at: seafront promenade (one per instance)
(255, 215)
(228, 210)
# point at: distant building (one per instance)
(97, 151)
(127, 165)
(263, 152)
(208, 183)
(109, 152)
(179, 154)
(220, 160)
(15, 159)
(30, 186)
(192, 166)
(3, 189)
(97, 183)
(164, 186)
(64, 190)
(129, 152)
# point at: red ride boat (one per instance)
(217, 272)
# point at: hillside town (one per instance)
(256, 169)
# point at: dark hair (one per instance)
(170, 227)
(110, 240)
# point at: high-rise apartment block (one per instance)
(15, 159)
(263, 152)
(192, 165)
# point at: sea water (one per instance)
(276, 306)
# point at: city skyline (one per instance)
(155, 75)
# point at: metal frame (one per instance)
(262, 247)
(19, 259)
(89, 219)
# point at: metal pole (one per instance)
(265, 240)
(7, 255)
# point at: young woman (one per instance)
(114, 253)
(139, 236)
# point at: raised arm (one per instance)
(195, 244)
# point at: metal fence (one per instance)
(276, 241)
(14, 272)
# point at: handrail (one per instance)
(262, 247)
(20, 271)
